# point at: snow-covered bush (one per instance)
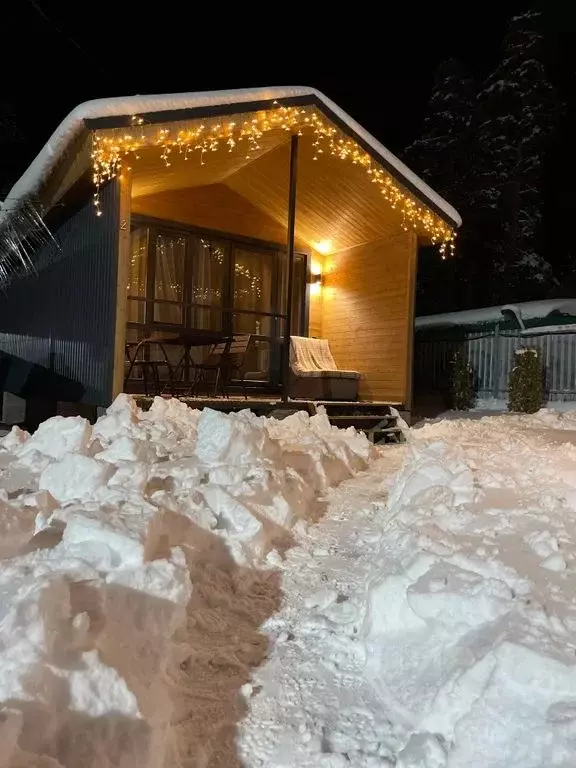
(525, 386)
(462, 394)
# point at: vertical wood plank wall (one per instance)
(125, 186)
(367, 314)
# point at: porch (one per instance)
(261, 234)
(377, 420)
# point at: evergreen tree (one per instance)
(486, 153)
(462, 394)
(439, 154)
(525, 387)
(515, 119)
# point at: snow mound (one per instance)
(128, 582)
(430, 621)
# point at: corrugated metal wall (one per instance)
(491, 356)
(64, 316)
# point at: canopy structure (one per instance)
(140, 130)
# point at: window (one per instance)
(180, 278)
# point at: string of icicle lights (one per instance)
(117, 150)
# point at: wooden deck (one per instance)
(375, 419)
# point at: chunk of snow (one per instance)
(74, 477)
(59, 436)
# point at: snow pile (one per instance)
(435, 628)
(121, 545)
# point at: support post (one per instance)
(290, 265)
(125, 186)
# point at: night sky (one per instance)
(378, 67)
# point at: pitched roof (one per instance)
(32, 179)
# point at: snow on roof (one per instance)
(528, 310)
(32, 179)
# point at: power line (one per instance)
(64, 34)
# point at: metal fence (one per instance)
(491, 355)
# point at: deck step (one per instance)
(376, 420)
(360, 417)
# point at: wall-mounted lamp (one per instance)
(315, 278)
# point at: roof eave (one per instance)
(109, 113)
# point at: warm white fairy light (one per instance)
(112, 152)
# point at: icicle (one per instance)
(22, 235)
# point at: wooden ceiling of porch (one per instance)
(335, 200)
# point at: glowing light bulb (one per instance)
(323, 246)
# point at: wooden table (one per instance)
(189, 338)
(186, 338)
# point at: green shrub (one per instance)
(525, 386)
(462, 394)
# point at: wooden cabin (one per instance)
(198, 210)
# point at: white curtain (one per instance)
(208, 273)
(169, 278)
(137, 275)
(252, 290)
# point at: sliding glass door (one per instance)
(185, 279)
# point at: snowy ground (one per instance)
(202, 591)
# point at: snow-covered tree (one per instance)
(439, 154)
(485, 151)
(515, 118)
(442, 157)
(525, 387)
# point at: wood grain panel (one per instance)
(124, 184)
(335, 200)
(150, 174)
(214, 207)
(315, 314)
(368, 314)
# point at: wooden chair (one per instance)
(224, 359)
(138, 357)
(235, 359)
(212, 363)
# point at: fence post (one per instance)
(496, 363)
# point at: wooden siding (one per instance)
(335, 199)
(64, 317)
(151, 175)
(368, 314)
(122, 273)
(315, 316)
(213, 207)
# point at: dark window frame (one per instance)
(229, 241)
